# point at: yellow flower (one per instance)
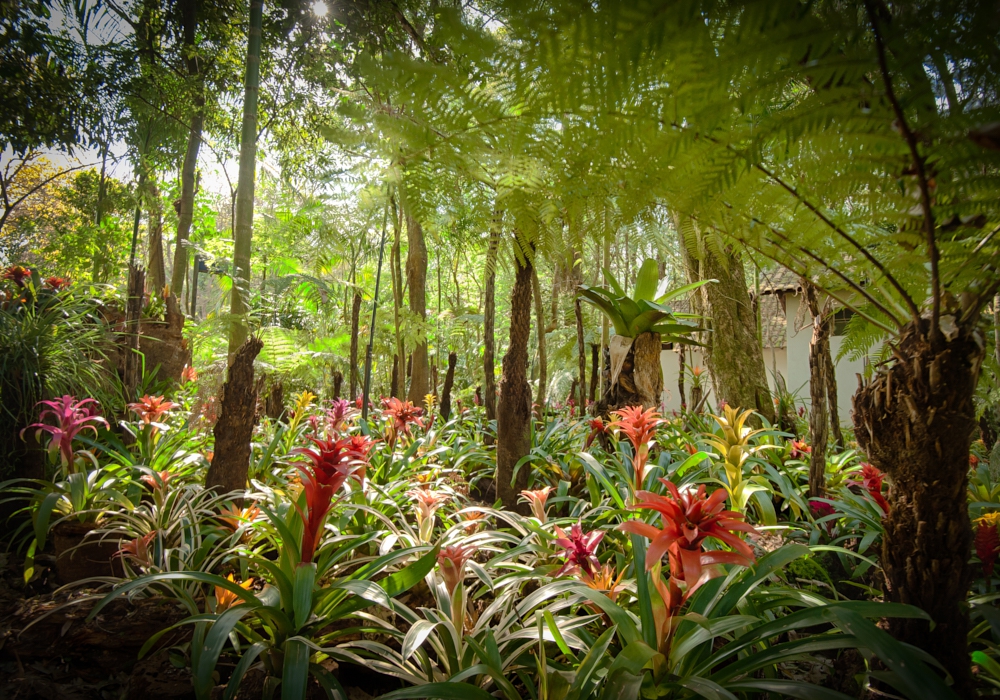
(225, 599)
(304, 400)
(991, 519)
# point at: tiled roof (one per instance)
(779, 281)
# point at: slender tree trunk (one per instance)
(681, 352)
(818, 423)
(154, 209)
(605, 323)
(416, 279)
(830, 380)
(540, 332)
(396, 265)
(914, 420)
(581, 352)
(489, 321)
(734, 356)
(133, 312)
(237, 417)
(185, 212)
(595, 350)
(514, 409)
(449, 382)
(355, 331)
(239, 329)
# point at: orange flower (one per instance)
(639, 427)
(189, 374)
(233, 516)
(138, 549)
(151, 408)
(157, 480)
(225, 598)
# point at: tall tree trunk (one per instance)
(355, 330)
(396, 265)
(514, 409)
(818, 423)
(489, 321)
(830, 380)
(581, 353)
(734, 357)
(595, 351)
(543, 376)
(237, 417)
(605, 322)
(416, 280)
(681, 352)
(449, 382)
(185, 213)
(154, 209)
(239, 329)
(914, 420)
(133, 312)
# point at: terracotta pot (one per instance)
(79, 556)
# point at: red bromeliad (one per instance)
(17, 274)
(151, 408)
(580, 548)
(71, 417)
(331, 462)
(189, 374)
(872, 480)
(401, 415)
(56, 284)
(689, 518)
(138, 549)
(639, 427)
(988, 541)
(799, 449)
(597, 427)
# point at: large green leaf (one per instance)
(440, 691)
(295, 669)
(646, 281)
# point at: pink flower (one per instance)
(189, 374)
(451, 563)
(138, 549)
(71, 417)
(579, 551)
(537, 500)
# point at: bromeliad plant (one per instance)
(640, 428)
(735, 447)
(69, 418)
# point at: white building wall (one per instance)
(791, 362)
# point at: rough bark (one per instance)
(914, 420)
(449, 382)
(830, 380)
(274, 402)
(489, 323)
(543, 376)
(581, 353)
(647, 372)
(245, 189)
(394, 381)
(338, 383)
(154, 238)
(734, 356)
(818, 423)
(594, 369)
(355, 321)
(396, 267)
(514, 409)
(133, 312)
(237, 417)
(416, 279)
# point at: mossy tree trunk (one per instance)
(416, 280)
(489, 324)
(914, 420)
(543, 364)
(514, 409)
(819, 349)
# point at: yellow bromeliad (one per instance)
(734, 447)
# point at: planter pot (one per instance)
(79, 556)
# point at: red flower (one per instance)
(401, 415)
(332, 462)
(987, 541)
(871, 481)
(189, 374)
(821, 509)
(138, 549)
(17, 274)
(451, 562)
(579, 551)
(151, 408)
(973, 461)
(56, 284)
(639, 427)
(688, 519)
(799, 449)
(71, 418)
(597, 427)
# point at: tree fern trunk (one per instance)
(449, 382)
(154, 237)
(914, 420)
(514, 409)
(237, 417)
